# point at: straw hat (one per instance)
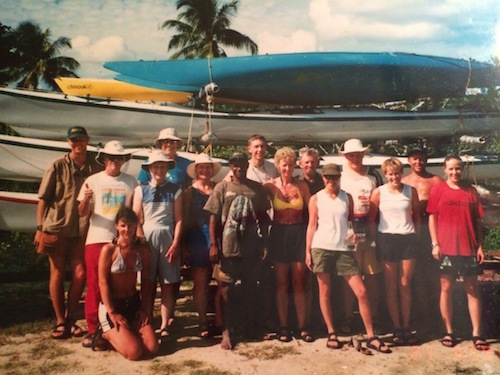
(353, 145)
(158, 156)
(112, 148)
(203, 159)
(168, 133)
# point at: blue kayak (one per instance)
(314, 78)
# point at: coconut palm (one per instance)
(39, 58)
(203, 26)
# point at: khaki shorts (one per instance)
(366, 256)
(340, 263)
(53, 245)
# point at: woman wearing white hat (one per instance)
(196, 244)
(169, 142)
(158, 205)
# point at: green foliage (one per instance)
(492, 239)
(17, 252)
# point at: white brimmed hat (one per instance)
(353, 145)
(168, 133)
(158, 156)
(112, 148)
(203, 159)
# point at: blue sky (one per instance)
(107, 30)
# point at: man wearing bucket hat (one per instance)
(60, 232)
(169, 142)
(239, 207)
(158, 205)
(357, 181)
(102, 195)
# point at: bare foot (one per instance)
(226, 340)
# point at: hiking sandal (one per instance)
(480, 343)
(448, 340)
(332, 342)
(60, 334)
(382, 348)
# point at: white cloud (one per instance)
(333, 21)
(105, 49)
(298, 41)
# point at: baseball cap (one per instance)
(77, 132)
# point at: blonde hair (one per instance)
(284, 153)
(392, 162)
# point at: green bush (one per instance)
(492, 239)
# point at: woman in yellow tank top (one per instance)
(289, 199)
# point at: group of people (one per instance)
(261, 232)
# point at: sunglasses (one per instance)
(115, 157)
(168, 141)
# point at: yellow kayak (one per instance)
(111, 89)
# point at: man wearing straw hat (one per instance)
(169, 142)
(357, 181)
(102, 195)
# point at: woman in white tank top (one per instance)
(395, 210)
(328, 251)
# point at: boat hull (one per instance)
(18, 211)
(112, 89)
(314, 78)
(27, 159)
(48, 115)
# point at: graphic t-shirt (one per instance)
(110, 194)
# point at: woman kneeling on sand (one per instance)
(125, 313)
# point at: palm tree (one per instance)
(39, 58)
(203, 26)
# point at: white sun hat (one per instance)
(114, 148)
(203, 159)
(353, 145)
(158, 156)
(168, 133)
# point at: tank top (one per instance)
(395, 211)
(333, 215)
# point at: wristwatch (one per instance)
(434, 245)
(38, 227)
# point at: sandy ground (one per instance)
(38, 354)
(185, 353)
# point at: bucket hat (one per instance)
(112, 148)
(158, 156)
(203, 159)
(167, 133)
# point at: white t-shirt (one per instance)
(262, 174)
(110, 194)
(360, 187)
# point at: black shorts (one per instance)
(128, 307)
(459, 266)
(287, 243)
(396, 247)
